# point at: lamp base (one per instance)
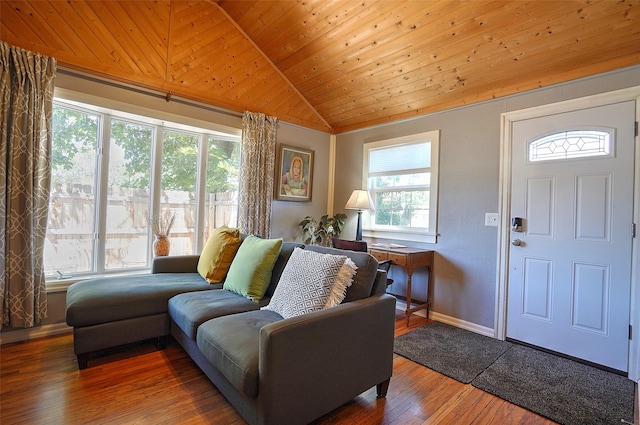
(359, 228)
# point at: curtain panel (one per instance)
(257, 173)
(26, 107)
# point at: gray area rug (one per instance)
(454, 352)
(560, 389)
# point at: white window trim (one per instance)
(417, 235)
(125, 110)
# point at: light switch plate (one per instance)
(491, 219)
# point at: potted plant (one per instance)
(322, 232)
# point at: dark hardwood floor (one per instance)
(40, 384)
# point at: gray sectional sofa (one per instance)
(271, 369)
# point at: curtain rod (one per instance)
(146, 92)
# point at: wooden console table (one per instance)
(409, 259)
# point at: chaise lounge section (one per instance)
(114, 311)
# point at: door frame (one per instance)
(504, 210)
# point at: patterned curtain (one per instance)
(256, 175)
(26, 96)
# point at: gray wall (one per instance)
(287, 214)
(466, 251)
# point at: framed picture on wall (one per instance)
(294, 174)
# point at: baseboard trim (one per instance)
(32, 333)
(449, 320)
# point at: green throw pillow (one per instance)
(250, 271)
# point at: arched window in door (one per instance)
(571, 144)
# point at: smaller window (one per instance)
(402, 174)
(570, 145)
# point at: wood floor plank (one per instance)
(40, 384)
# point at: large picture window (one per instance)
(113, 171)
(402, 176)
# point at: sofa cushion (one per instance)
(190, 310)
(250, 271)
(281, 262)
(365, 277)
(103, 300)
(232, 343)
(218, 253)
(311, 281)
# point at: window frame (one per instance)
(108, 110)
(410, 234)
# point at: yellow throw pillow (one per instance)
(218, 253)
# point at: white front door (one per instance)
(569, 278)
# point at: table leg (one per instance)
(408, 310)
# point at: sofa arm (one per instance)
(312, 364)
(175, 264)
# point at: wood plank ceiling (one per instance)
(332, 65)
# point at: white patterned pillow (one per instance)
(311, 281)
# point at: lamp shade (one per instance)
(359, 200)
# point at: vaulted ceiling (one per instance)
(331, 65)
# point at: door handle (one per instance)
(516, 242)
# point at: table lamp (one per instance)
(360, 201)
